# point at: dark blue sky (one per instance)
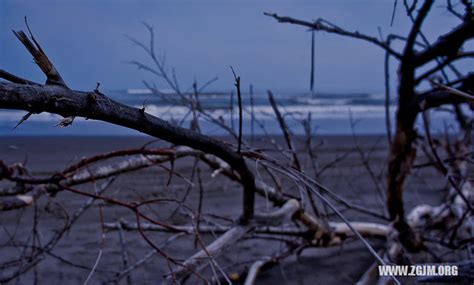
(86, 41)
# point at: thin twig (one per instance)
(239, 98)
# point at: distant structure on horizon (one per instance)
(148, 91)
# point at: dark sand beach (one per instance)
(70, 261)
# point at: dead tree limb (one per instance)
(254, 270)
(64, 102)
(323, 25)
(55, 97)
(402, 147)
(229, 238)
(40, 57)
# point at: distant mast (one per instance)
(311, 82)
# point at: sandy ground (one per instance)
(80, 246)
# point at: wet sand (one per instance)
(81, 245)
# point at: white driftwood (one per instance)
(339, 229)
(319, 227)
(19, 201)
(448, 213)
(203, 257)
(203, 229)
(254, 270)
(280, 215)
(128, 164)
(365, 229)
(229, 238)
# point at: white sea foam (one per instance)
(266, 112)
(325, 102)
(261, 112)
(139, 91)
(134, 91)
(11, 115)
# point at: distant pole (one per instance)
(232, 110)
(311, 83)
(251, 111)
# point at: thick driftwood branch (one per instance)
(403, 148)
(92, 105)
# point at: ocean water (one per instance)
(331, 114)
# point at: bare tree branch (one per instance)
(67, 103)
(323, 25)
